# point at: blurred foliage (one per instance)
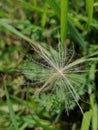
(23, 21)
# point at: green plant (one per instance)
(60, 66)
(58, 79)
(59, 75)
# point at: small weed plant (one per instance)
(61, 79)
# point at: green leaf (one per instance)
(3, 14)
(11, 111)
(89, 7)
(15, 31)
(54, 5)
(44, 16)
(73, 31)
(94, 112)
(86, 120)
(64, 11)
(29, 6)
(76, 35)
(95, 117)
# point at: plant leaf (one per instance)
(11, 111)
(15, 31)
(64, 11)
(76, 35)
(94, 112)
(86, 120)
(89, 7)
(73, 31)
(44, 16)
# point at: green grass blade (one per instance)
(86, 120)
(95, 117)
(76, 35)
(11, 111)
(34, 2)
(64, 11)
(3, 14)
(73, 31)
(89, 7)
(94, 113)
(54, 5)
(16, 32)
(29, 6)
(44, 16)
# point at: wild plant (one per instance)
(59, 74)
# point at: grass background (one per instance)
(24, 23)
